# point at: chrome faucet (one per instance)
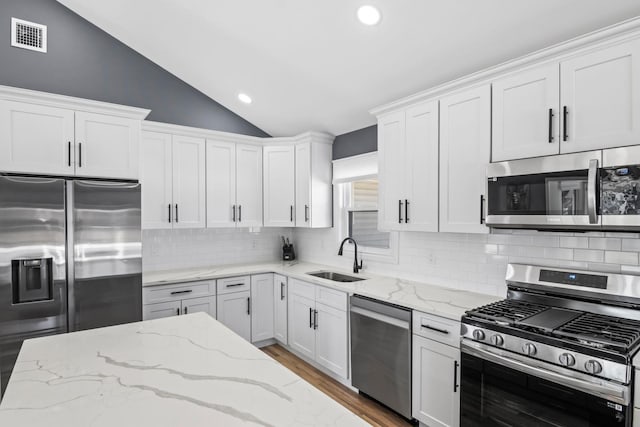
(356, 267)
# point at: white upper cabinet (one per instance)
(279, 186)
(421, 154)
(172, 174)
(314, 191)
(234, 184)
(465, 145)
(106, 146)
(408, 169)
(188, 182)
(249, 185)
(156, 177)
(526, 114)
(303, 184)
(391, 157)
(42, 133)
(601, 94)
(36, 139)
(221, 184)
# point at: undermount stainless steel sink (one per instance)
(336, 277)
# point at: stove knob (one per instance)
(497, 340)
(529, 349)
(593, 367)
(478, 335)
(567, 359)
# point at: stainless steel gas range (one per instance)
(557, 352)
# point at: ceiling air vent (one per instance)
(28, 35)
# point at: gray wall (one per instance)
(86, 62)
(357, 142)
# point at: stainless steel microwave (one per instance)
(594, 190)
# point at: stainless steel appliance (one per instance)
(590, 190)
(70, 258)
(381, 352)
(557, 352)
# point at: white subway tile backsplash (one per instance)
(590, 255)
(186, 248)
(574, 242)
(609, 244)
(631, 244)
(629, 258)
(479, 262)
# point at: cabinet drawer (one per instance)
(178, 291)
(234, 284)
(436, 328)
(303, 289)
(331, 297)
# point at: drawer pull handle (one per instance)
(234, 285)
(188, 291)
(442, 331)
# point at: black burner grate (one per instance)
(597, 330)
(507, 310)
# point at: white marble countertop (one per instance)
(179, 371)
(445, 302)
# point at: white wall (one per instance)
(177, 249)
(478, 262)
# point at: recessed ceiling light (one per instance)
(243, 97)
(369, 15)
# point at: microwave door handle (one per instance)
(591, 191)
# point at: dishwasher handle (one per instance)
(381, 317)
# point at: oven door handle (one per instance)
(591, 191)
(380, 317)
(585, 383)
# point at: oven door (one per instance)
(499, 388)
(557, 192)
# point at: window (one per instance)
(363, 215)
(355, 182)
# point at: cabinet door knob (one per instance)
(249, 306)
(406, 211)
(169, 206)
(176, 212)
(399, 211)
(239, 213)
(291, 214)
(482, 209)
(233, 210)
(80, 154)
(178, 311)
(69, 160)
(315, 319)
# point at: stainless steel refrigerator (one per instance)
(70, 258)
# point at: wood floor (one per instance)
(365, 408)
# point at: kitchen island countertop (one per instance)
(179, 371)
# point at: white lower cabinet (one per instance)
(302, 336)
(234, 311)
(436, 373)
(179, 298)
(280, 299)
(318, 325)
(262, 307)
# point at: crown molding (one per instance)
(151, 126)
(610, 35)
(71, 103)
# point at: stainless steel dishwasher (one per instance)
(381, 352)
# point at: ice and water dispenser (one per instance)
(32, 279)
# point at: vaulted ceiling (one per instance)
(310, 65)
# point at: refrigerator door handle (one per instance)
(71, 270)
